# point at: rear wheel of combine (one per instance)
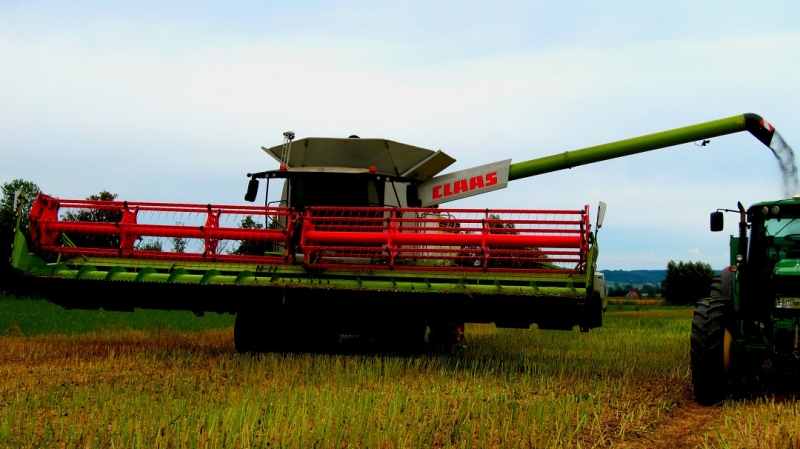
(710, 350)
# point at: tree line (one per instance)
(684, 284)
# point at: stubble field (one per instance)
(168, 379)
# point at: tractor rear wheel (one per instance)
(710, 344)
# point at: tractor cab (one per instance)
(776, 232)
(769, 258)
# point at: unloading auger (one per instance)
(357, 245)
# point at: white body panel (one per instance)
(465, 183)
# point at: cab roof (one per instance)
(785, 202)
(387, 156)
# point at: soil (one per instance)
(683, 427)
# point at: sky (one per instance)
(171, 101)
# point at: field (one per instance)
(168, 379)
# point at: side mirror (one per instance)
(717, 221)
(252, 190)
(601, 214)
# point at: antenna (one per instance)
(288, 137)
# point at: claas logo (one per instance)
(464, 185)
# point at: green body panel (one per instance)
(788, 267)
(734, 250)
(627, 147)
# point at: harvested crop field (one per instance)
(160, 379)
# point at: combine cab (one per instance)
(357, 245)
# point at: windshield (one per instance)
(332, 189)
(780, 228)
(777, 238)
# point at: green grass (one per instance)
(25, 316)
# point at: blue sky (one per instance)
(169, 101)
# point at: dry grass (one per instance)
(767, 421)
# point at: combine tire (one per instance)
(447, 336)
(262, 330)
(709, 349)
(246, 335)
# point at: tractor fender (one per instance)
(726, 283)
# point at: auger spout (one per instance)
(757, 126)
(469, 182)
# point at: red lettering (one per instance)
(460, 186)
(447, 190)
(437, 192)
(491, 179)
(476, 182)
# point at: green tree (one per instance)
(686, 282)
(650, 290)
(178, 243)
(8, 222)
(152, 245)
(97, 215)
(8, 215)
(252, 247)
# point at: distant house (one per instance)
(632, 294)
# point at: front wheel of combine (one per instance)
(447, 336)
(246, 335)
(710, 350)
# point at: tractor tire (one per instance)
(721, 285)
(708, 350)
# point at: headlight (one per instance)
(787, 303)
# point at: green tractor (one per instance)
(753, 312)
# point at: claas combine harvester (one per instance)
(357, 245)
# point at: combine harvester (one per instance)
(357, 245)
